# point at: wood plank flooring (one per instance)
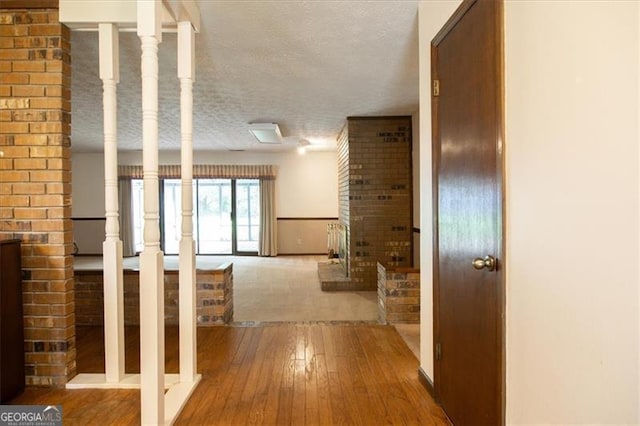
(275, 374)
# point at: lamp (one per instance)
(266, 132)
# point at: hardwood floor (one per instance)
(281, 373)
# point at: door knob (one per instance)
(489, 263)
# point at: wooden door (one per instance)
(467, 143)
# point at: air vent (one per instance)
(267, 133)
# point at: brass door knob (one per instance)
(489, 263)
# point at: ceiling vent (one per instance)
(268, 133)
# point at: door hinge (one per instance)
(438, 351)
(436, 88)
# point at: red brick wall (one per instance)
(35, 183)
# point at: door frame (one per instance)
(500, 171)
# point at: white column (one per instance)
(112, 246)
(151, 258)
(186, 74)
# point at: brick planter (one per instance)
(398, 295)
(214, 303)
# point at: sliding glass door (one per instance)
(213, 219)
(226, 215)
(171, 216)
(247, 215)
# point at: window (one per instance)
(218, 227)
(171, 215)
(137, 209)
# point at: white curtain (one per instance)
(268, 244)
(126, 218)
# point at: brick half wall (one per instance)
(214, 297)
(398, 295)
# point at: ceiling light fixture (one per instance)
(302, 146)
(266, 132)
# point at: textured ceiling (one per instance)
(306, 65)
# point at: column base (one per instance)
(187, 314)
(152, 337)
(113, 289)
(176, 397)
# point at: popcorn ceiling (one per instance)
(306, 65)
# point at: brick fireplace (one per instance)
(375, 197)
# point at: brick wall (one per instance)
(376, 198)
(35, 183)
(343, 191)
(398, 295)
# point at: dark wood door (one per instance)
(468, 117)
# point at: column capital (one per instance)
(150, 18)
(108, 42)
(186, 51)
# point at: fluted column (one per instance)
(112, 246)
(151, 258)
(186, 73)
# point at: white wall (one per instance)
(87, 185)
(307, 185)
(572, 200)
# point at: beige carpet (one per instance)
(288, 289)
(283, 288)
